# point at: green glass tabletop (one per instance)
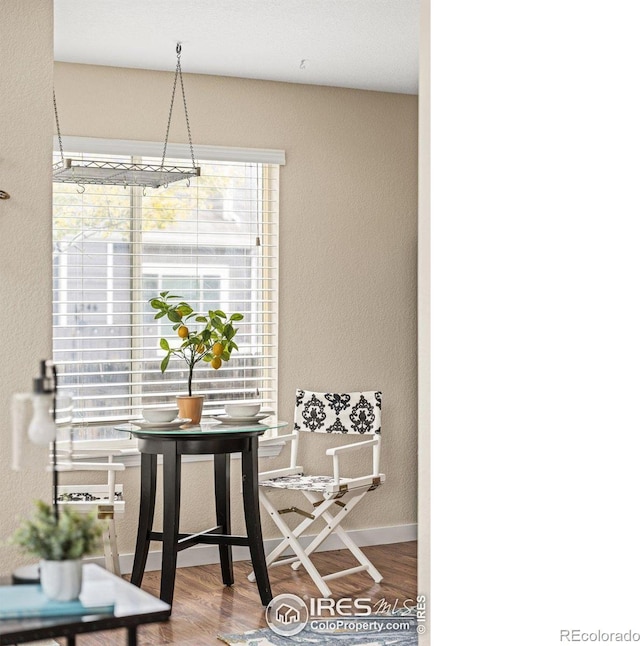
(205, 428)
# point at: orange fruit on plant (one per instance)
(216, 362)
(183, 331)
(217, 349)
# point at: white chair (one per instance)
(107, 499)
(340, 413)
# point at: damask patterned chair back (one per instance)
(355, 413)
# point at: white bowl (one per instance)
(241, 410)
(159, 415)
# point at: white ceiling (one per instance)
(365, 44)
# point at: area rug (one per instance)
(385, 633)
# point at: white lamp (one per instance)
(41, 431)
(42, 428)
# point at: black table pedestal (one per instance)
(172, 447)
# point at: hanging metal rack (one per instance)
(111, 173)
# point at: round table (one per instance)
(208, 438)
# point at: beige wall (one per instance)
(348, 245)
(348, 219)
(26, 81)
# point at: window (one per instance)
(213, 241)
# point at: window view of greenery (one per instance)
(213, 242)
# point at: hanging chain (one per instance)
(55, 109)
(173, 94)
(186, 115)
(178, 72)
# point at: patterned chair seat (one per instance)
(300, 481)
(306, 483)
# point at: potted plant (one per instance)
(212, 342)
(59, 541)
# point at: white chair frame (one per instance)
(106, 508)
(67, 460)
(344, 492)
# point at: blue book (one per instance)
(22, 601)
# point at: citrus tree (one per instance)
(211, 342)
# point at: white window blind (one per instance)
(213, 242)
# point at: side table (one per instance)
(219, 440)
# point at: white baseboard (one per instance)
(209, 554)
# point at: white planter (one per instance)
(61, 580)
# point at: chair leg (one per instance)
(284, 529)
(358, 553)
(113, 547)
(334, 525)
(291, 540)
(349, 502)
(110, 543)
(108, 554)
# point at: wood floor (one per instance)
(203, 607)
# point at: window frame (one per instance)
(138, 149)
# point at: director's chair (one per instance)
(107, 500)
(356, 413)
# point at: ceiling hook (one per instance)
(4, 195)
(179, 48)
(81, 189)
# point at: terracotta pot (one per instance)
(190, 406)
(61, 580)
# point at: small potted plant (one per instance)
(211, 342)
(59, 542)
